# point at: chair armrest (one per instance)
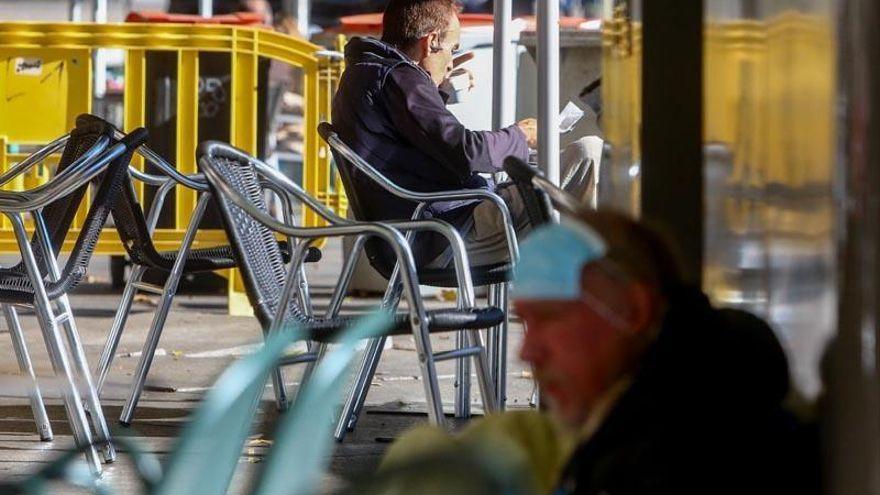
(394, 238)
(33, 159)
(459, 253)
(495, 199)
(462, 194)
(281, 183)
(77, 175)
(195, 181)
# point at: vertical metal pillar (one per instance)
(299, 9)
(672, 125)
(503, 63)
(206, 8)
(851, 418)
(75, 10)
(100, 17)
(548, 88)
(302, 17)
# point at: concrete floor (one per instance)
(199, 341)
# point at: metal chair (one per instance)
(87, 146)
(135, 230)
(38, 282)
(235, 177)
(495, 276)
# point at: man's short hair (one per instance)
(406, 21)
(642, 252)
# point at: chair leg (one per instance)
(72, 401)
(48, 324)
(149, 349)
(500, 370)
(429, 373)
(484, 373)
(357, 396)
(99, 423)
(281, 401)
(462, 399)
(115, 335)
(44, 427)
(354, 404)
(492, 333)
(170, 289)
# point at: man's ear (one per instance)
(425, 44)
(641, 307)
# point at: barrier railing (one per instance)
(45, 80)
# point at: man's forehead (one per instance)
(453, 30)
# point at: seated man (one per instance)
(652, 389)
(390, 110)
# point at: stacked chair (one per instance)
(135, 229)
(91, 155)
(495, 277)
(236, 180)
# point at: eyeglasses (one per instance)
(440, 46)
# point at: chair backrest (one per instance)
(346, 173)
(375, 250)
(207, 452)
(110, 185)
(304, 438)
(128, 214)
(60, 214)
(254, 246)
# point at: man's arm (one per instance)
(418, 112)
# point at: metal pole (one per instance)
(672, 155)
(302, 17)
(548, 88)
(75, 9)
(502, 66)
(100, 17)
(206, 8)
(851, 418)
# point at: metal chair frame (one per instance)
(15, 205)
(389, 232)
(165, 184)
(19, 346)
(497, 294)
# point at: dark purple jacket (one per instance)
(390, 112)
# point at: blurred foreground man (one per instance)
(390, 108)
(650, 389)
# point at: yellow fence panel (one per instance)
(45, 76)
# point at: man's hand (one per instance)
(458, 71)
(529, 127)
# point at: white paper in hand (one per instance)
(569, 117)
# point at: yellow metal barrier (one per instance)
(45, 80)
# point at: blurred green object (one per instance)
(302, 442)
(207, 451)
(204, 459)
(474, 472)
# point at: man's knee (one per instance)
(584, 150)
